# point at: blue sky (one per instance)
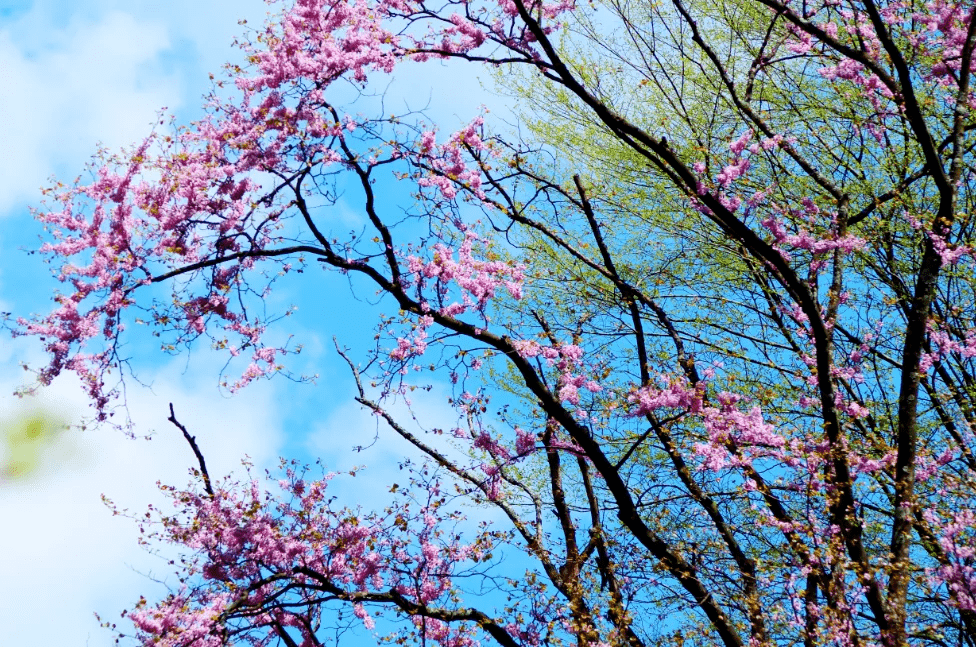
(73, 75)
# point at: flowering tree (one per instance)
(722, 309)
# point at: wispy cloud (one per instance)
(88, 82)
(65, 552)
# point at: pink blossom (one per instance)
(676, 394)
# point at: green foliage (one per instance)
(27, 436)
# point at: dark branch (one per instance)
(196, 450)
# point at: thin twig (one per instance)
(196, 450)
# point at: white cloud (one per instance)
(90, 82)
(73, 75)
(67, 554)
(450, 93)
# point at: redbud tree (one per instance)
(709, 317)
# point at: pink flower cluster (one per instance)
(448, 163)
(483, 23)
(950, 254)
(935, 38)
(479, 280)
(262, 363)
(464, 36)
(567, 358)
(416, 344)
(807, 241)
(442, 633)
(739, 165)
(728, 426)
(943, 345)
(199, 196)
(927, 465)
(864, 465)
(676, 394)
(321, 41)
(736, 169)
(175, 621)
(956, 537)
(943, 39)
(254, 550)
(500, 455)
(170, 203)
(745, 432)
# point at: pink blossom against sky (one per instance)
(76, 74)
(104, 73)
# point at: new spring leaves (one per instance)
(722, 377)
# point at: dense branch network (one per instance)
(711, 324)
